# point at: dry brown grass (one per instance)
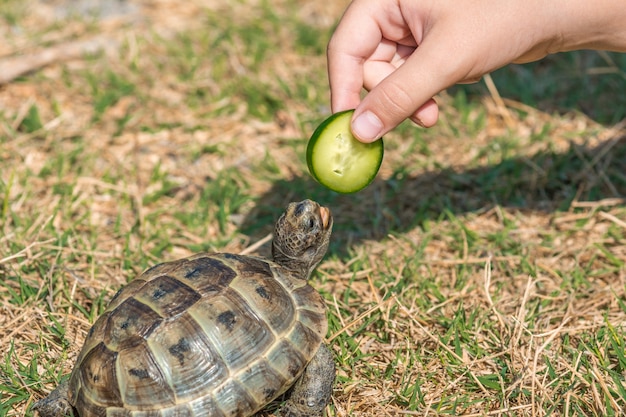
(482, 273)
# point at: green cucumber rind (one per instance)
(343, 187)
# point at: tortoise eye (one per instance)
(300, 208)
(311, 223)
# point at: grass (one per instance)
(482, 273)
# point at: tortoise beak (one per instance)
(326, 217)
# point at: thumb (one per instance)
(405, 93)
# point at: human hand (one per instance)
(404, 52)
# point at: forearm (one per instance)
(584, 24)
(406, 51)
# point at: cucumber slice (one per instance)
(337, 160)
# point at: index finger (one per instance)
(355, 39)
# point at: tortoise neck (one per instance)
(300, 266)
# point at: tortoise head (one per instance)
(301, 237)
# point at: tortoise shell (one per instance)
(210, 335)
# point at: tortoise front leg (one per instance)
(311, 393)
(56, 404)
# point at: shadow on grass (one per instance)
(546, 181)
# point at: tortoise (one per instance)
(215, 334)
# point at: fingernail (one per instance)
(367, 127)
(417, 121)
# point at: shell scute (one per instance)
(125, 292)
(88, 408)
(167, 296)
(203, 273)
(95, 336)
(141, 379)
(247, 266)
(96, 378)
(123, 412)
(129, 324)
(269, 300)
(237, 333)
(304, 339)
(182, 410)
(311, 319)
(266, 381)
(205, 406)
(187, 357)
(286, 359)
(234, 399)
(307, 296)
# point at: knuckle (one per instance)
(394, 101)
